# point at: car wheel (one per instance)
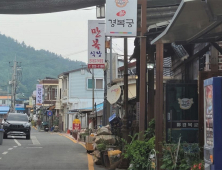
(28, 136)
(5, 136)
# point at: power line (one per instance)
(55, 58)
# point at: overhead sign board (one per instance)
(39, 94)
(113, 94)
(121, 18)
(96, 44)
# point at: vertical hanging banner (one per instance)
(39, 93)
(96, 44)
(121, 18)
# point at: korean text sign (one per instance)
(39, 93)
(76, 125)
(96, 44)
(121, 18)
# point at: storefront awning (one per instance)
(195, 21)
(4, 109)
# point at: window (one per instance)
(98, 84)
(3, 102)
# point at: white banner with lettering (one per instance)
(39, 94)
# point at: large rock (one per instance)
(97, 161)
(103, 131)
(96, 153)
(108, 139)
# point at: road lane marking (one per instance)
(0, 158)
(10, 149)
(90, 162)
(15, 146)
(19, 144)
(34, 147)
(4, 153)
(35, 140)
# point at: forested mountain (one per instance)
(35, 64)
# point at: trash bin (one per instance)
(1, 135)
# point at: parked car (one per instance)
(17, 124)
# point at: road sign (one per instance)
(49, 113)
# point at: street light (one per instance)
(100, 11)
(150, 64)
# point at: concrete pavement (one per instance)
(44, 151)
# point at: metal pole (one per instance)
(96, 116)
(111, 71)
(93, 86)
(151, 85)
(125, 120)
(104, 122)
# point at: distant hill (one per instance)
(36, 64)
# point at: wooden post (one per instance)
(143, 67)
(159, 101)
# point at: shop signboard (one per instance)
(213, 123)
(76, 125)
(182, 112)
(96, 44)
(121, 18)
(39, 94)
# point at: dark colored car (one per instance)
(17, 124)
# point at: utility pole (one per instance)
(14, 84)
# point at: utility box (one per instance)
(213, 123)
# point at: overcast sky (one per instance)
(63, 33)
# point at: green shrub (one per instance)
(101, 147)
(138, 151)
(188, 155)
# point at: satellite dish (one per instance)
(113, 94)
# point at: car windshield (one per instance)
(17, 117)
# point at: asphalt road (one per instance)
(44, 151)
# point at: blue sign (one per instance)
(49, 113)
(112, 117)
(213, 123)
